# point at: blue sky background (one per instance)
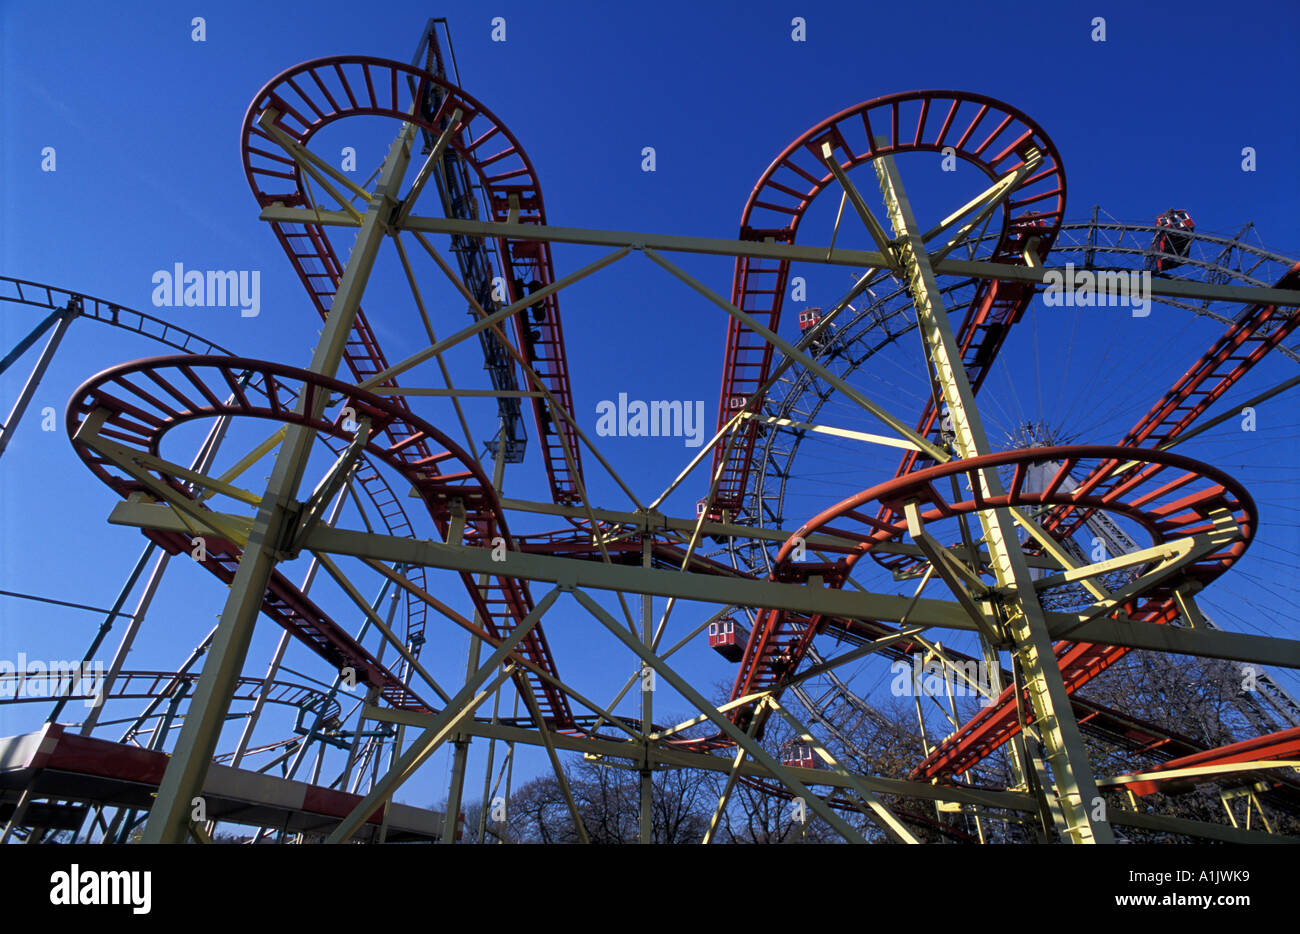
(145, 123)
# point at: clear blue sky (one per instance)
(145, 124)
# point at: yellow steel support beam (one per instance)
(440, 728)
(169, 818)
(794, 353)
(972, 269)
(1076, 788)
(375, 548)
(679, 684)
(881, 815)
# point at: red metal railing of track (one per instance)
(986, 133)
(1169, 496)
(374, 486)
(315, 94)
(1255, 332)
(147, 398)
(981, 131)
(1284, 744)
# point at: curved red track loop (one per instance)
(387, 505)
(983, 132)
(1251, 336)
(148, 398)
(314, 94)
(1168, 495)
(1254, 333)
(1245, 343)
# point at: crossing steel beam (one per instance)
(1022, 616)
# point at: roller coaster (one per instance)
(1048, 557)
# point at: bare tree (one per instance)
(1201, 700)
(608, 798)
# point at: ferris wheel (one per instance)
(1058, 383)
(1043, 386)
(1017, 455)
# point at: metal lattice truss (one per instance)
(962, 284)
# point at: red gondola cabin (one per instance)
(798, 754)
(1173, 241)
(728, 637)
(713, 515)
(808, 319)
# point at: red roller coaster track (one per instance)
(313, 95)
(979, 130)
(984, 132)
(779, 641)
(182, 389)
(1170, 496)
(1254, 334)
(118, 419)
